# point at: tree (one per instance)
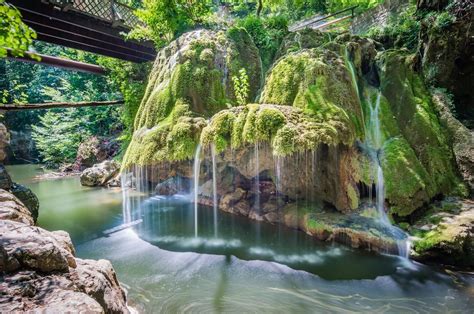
(14, 34)
(165, 19)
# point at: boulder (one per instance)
(451, 240)
(13, 209)
(173, 185)
(100, 174)
(95, 150)
(34, 248)
(27, 197)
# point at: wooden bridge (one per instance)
(92, 25)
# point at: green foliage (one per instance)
(14, 34)
(401, 31)
(363, 5)
(163, 20)
(58, 136)
(267, 34)
(22, 82)
(241, 87)
(130, 79)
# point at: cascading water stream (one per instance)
(257, 180)
(196, 170)
(374, 142)
(126, 205)
(214, 187)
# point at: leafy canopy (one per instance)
(165, 19)
(14, 34)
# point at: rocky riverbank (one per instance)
(39, 270)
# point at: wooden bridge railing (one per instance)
(322, 21)
(112, 11)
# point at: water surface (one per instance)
(166, 269)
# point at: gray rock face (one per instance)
(100, 174)
(40, 273)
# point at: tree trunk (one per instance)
(259, 7)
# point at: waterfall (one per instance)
(196, 170)
(257, 180)
(375, 144)
(126, 205)
(380, 194)
(214, 186)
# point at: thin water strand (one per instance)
(214, 186)
(196, 170)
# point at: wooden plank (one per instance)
(50, 105)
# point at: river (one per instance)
(165, 269)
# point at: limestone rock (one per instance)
(190, 81)
(27, 197)
(100, 174)
(13, 209)
(34, 248)
(451, 241)
(95, 150)
(446, 52)
(461, 137)
(38, 270)
(173, 185)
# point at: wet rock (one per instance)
(100, 174)
(173, 185)
(27, 197)
(115, 181)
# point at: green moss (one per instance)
(407, 183)
(284, 141)
(268, 121)
(287, 129)
(353, 196)
(244, 54)
(317, 227)
(318, 82)
(426, 153)
(188, 84)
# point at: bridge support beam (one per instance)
(60, 62)
(51, 105)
